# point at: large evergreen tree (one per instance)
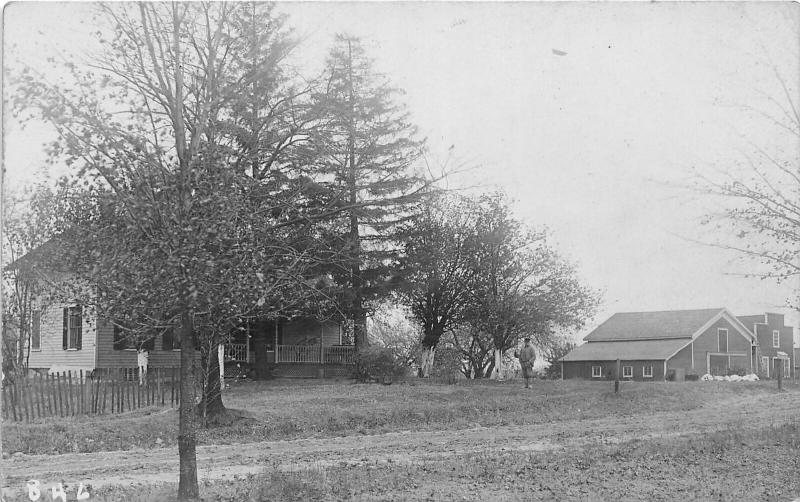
(366, 145)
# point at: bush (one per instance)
(377, 363)
(447, 364)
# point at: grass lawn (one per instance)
(291, 409)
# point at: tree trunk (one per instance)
(498, 365)
(360, 337)
(359, 315)
(211, 406)
(428, 354)
(187, 433)
(260, 336)
(488, 369)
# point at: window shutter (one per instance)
(66, 328)
(79, 327)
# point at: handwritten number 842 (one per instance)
(56, 492)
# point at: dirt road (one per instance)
(226, 461)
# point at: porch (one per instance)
(294, 354)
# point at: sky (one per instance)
(596, 118)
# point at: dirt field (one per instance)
(736, 421)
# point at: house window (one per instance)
(36, 323)
(73, 327)
(122, 338)
(170, 340)
(627, 372)
(597, 371)
(722, 340)
(125, 339)
(647, 372)
(776, 339)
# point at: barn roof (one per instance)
(667, 324)
(628, 350)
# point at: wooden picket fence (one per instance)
(71, 393)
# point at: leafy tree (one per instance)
(761, 216)
(437, 265)
(522, 286)
(365, 143)
(29, 220)
(553, 354)
(390, 327)
(170, 233)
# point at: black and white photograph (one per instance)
(400, 251)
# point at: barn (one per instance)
(653, 345)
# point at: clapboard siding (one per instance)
(107, 357)
(307, 330)
(52, 354)
(708, 342)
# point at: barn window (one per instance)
(627, 372)
(776, 339)
(36, 323)
(73, 328)
(647, 372)
(597, 371)
(722, 340)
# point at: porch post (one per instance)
(275, 344)
(221, 359)
(247, 343)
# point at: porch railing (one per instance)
(236, 352)
(341, 354)
(311, 354)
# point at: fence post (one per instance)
(71, 399)
(616, 378)
(40, 407)
(51, 395)
(80, 390)
(104, 381)
(780, 373)
(158, 385)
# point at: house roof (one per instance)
(667, 324)
(629, 350)
(750, 320)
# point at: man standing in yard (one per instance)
(526, 358)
